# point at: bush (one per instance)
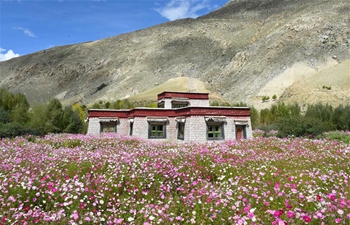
(302, 127)
(4, 116)
(341, 117)
(11, 130)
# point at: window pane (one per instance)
(108, 127)
(215, 131)
(157, 131)
(181, 131)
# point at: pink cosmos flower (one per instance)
(179, 218)
(277, 185)
(278, 213)
(118, 221)
(251, 215)
(290, 214)
(307, 219)
(75, 215)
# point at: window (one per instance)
(131, 128)
(181, 131)
(215, 131)
(157, 130)
(179, 104)
(108, 127)
(161, 104)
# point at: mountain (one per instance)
(295, 49)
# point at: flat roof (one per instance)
(183, 95)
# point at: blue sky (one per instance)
(28, 26)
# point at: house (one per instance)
(180, 116)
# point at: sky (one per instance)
(28, 26)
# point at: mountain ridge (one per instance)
(236, 51)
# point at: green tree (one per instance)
(4, 116)
(71, 121)
(265, 117)
(300, 126)
(96, 106)
(39, 118)
(320, 111)
(341, 117)
(254, 117)
(55, 114)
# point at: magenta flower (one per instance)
(278, 213)
(290, 214)
(307, 219)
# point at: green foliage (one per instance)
(320, 111)
(214, 103)
(338, 135)
(152, 105)
(274, 97)
(341, 117)
(240, 104)
(39, 119)
(14, 107)
(72, 123)
(299, 126)
(14, 129)
(51, 118)
(96, 106)
(55, 115)
(265, 116)
(317, 119)
(15, 118)
(20, 115)
(254, 117)
(327, 87)
(4, 116)
(265, 98)
(119, 104)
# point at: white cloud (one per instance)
(177, 9)
(9, 55)
(25, 31)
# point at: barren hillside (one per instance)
(241, 52)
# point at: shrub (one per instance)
(265, 98)
(341, 117)
(299, 126)
(11, 130)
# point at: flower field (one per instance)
(109, 179)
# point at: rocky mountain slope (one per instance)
(295, 49)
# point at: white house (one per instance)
(180, 116)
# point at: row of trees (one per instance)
(319, 118)
(18, 118)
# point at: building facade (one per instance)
(180, 117)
